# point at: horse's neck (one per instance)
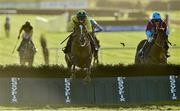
(155, 50)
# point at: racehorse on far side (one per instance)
(157, 53)
(26, 53)
(7, 28)
(81, 52)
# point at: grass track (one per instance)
(107, 39)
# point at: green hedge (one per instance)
(98, 71)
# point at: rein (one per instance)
(157, 44)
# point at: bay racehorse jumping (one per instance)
(26, 53)
(157, 52)
(81, 52)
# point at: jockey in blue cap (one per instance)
(151, 31)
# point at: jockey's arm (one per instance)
(149, 32)
(96, 26)
(166, 29)
(20, 31)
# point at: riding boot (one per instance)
(67, 48)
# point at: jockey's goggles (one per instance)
(156, 20)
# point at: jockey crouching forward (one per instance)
(26, 36)
(81, 17)
(151, 32)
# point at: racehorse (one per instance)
(26, 53)
(157, 53)
(81, 52)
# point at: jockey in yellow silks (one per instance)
(81, 17)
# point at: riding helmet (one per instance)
(27, 23)
(156, 16)
(81, 15)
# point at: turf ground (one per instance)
(160, 106)
(107, 39)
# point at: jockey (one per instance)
(27, 35)
(151, 32)
(81, 16)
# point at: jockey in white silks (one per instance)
(27, 35)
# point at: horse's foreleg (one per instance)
(72, 72)
(87, 79)
(95, 59)
(22, 61)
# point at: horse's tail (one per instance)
(44, 49)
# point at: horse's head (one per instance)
(81, 34)
(161, 37)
